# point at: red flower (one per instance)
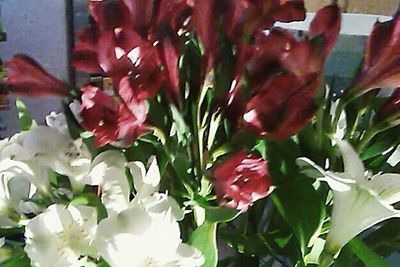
(382, 58)
(99, 112)
(246, 17)
(27, 77)
(241, 180)
(111, 121)
(285, 76)
(282, 107)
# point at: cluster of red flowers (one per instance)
(138, 44)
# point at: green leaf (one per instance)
(18, 259)
(90, 199)
(303, 208)
(367, 255)
(204, 239)
(26, 121)
(180, 126)
(220, 215)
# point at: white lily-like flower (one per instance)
(14, 189)
(359, 200)
(138, 238)
(61, 235)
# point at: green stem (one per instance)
(360, 113)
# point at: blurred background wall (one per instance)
(38, 28)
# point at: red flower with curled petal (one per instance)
(240, 180)
(26, 77)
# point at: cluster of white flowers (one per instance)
(141, 228)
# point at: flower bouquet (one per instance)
(216, 140)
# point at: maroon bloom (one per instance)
(112, 120)
(241, 180)
(26, 77)
(283, 98)
(246, 17)
(99, 112)
(382, 59)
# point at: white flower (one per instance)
(137, 238)
(61, 235)
(58, 121)
(147, 185)
(14, 189)
(32, 172)
(359, 200)
(46, 147)
(108, 172)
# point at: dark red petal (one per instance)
(326, 24)
(131, 125)
(204, 22)
(27, 77)
(141, 13)
(282, 107)
(378, 42)
(170, 59)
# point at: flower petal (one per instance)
(353, 166)
(386, 187)
(353, 212)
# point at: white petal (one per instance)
(115, 190)
(353, 166)
(160, 203)
(60, 236)
(57, 121)
(145, 184)
(353, 212)
(139, 238)
(386, 187)
(189, 256)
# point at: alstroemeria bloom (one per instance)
(136, 237)
(27, 77)
(61, 235)
(381, 65)
(241, 179)
(359, 199)
(284, 96)
(113, 122)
